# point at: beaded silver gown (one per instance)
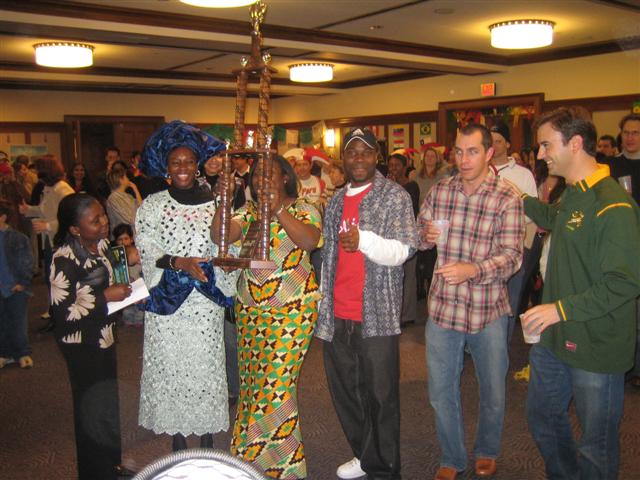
(183, 385)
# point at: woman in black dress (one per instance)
(81, 277)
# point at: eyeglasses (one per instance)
(631, 133)
(352, 153)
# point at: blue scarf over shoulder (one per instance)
(175, 286)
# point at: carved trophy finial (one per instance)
(257, 13)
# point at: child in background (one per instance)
(123, 235)
(16, 264)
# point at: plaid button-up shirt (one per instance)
(486, 228)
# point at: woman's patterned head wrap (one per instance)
(171, 136)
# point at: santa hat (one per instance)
(315, 155)
(297, 153)
(405, 152)
(435, 146)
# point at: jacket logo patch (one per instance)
(570, 346)
(575, 221)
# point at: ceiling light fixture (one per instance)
(517, 34)
(311, 72)
(64, 54)
(219, 3)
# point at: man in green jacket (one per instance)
(588, 311)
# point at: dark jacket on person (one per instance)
(385, 210)
(17, 251)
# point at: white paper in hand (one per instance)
(138, 292)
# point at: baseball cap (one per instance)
(503, 130)
(363, 134)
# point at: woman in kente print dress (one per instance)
(80, 289)
(276, 314)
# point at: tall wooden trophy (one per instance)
(255, 246)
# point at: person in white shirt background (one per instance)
(508, 169)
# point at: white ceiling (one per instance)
(152, 42)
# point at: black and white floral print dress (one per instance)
(78, 281)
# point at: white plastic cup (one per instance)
(443, 226)
(528, 337)
(625, 182)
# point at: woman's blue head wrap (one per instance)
(171, 136)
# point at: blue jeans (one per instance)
(14, 342)
(445, 360)
(598, 398)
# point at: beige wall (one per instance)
(40, 106)
(595, 76)
(600, 75)
(607, 122)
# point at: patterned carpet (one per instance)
(36, 434)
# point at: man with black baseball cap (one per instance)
(369, 231)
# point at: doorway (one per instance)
(89, 137)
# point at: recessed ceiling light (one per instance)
(444, 11)
(376, 27)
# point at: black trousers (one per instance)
(96, 411)
(363, 376)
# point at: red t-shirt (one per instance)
(349, 281)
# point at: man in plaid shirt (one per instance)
(468, 300)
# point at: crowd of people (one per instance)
(353, 245)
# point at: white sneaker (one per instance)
(351, 469)
(4, 361)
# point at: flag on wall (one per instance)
(398, 136)
(306, 136)
(279, 134)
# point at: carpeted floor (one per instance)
(36, 434)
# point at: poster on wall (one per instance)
(31, 151)
(318, 130)
(397, 134)
(292, 138)
(423, 134)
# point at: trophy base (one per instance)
(251, 263)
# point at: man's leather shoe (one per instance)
(123, 471)
(485, 467)
(446, 473)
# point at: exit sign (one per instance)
(488, 89)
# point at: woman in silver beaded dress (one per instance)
(183, 385)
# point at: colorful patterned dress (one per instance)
(276, 316)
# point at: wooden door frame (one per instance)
(72, 124)
(535, 99)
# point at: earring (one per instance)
(198, 173)
(167, 175)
